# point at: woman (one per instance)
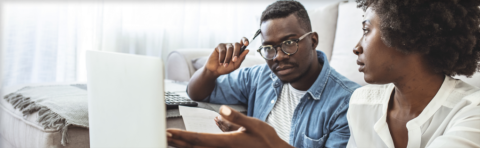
(413, 47)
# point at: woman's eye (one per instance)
(365, 31)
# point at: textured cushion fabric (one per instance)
(19, 131)
(5, 144)
(58, 106)
(349, 32)
(324, 22)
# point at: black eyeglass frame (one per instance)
(280, 45)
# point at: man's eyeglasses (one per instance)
(289, 47)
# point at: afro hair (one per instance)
(447, 32)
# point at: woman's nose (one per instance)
(356, 50)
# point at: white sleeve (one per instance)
(464, 132)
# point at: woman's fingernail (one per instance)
(225, 64)
(169, 134)
(234, 59)
(226, 111)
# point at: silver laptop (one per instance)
(126, 100)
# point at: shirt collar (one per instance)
(317, 88)
(414, 125)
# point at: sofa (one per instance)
(339, 29)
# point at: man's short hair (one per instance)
(282, 9)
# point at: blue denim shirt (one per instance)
(319, 120)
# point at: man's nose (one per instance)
(280, 55)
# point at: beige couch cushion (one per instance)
(474, 80)
(324, 22)
(349, 32)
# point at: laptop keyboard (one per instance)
(173, 100)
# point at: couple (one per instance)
(412, 48)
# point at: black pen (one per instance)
(254, 36)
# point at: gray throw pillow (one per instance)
(199, 62)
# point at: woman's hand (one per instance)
(226, 126)
(252, 133)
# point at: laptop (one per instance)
(126, 100)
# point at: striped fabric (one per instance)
(280, 118)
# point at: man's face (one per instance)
(289, 68)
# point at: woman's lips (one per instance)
(362, 66)
(360, 69)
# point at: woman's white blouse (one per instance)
(451, 119)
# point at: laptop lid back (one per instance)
(126, 100)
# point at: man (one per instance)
(296, 92)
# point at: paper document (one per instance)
(199, 119)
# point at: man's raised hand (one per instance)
(226, 57)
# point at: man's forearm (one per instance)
(201, 84)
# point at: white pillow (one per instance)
(324, 22)
(349, 32)
(474, 80)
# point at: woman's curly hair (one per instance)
(446, 31)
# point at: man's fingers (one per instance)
(242, 56)
(228, 55)
(203, 139)
(236, 51)
(221, 53)
(244, 41)
(233, 116)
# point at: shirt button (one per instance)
(273, 101)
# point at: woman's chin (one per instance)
(368, 80)
(373, 79)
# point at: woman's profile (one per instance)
(413, 48)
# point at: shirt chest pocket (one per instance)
(314, 143)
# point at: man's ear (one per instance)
(314, 40)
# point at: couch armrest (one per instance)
(179, 63)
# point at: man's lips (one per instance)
(282, 70)
(361, 64)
